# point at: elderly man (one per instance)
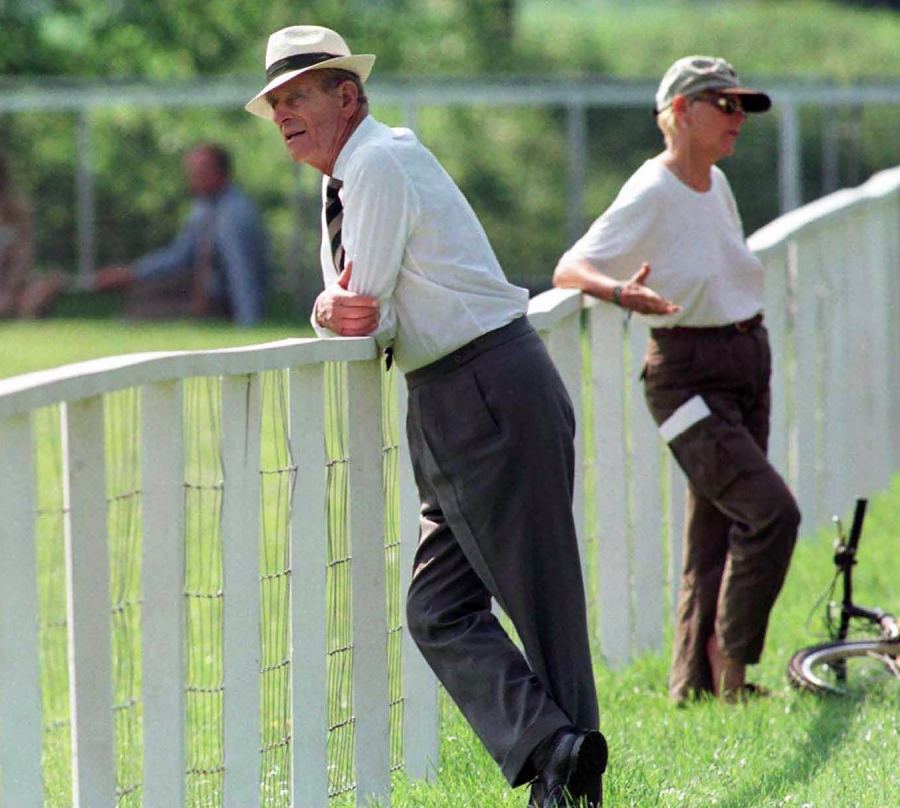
(490, 425)
(217, 265)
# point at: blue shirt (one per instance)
(239, 253)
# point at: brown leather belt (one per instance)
(743, 327)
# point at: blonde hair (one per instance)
(667, 122)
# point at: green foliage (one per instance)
(761, 38)
(511, 163)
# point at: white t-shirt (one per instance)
(693, 241)
(417, 246)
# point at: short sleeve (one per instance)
(620, 239)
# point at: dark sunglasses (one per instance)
(726, 104)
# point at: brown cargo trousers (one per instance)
(708, 390)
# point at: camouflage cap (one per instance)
(691, 75)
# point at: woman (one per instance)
(21, 293)
(706, 375)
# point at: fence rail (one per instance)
(575, 95)
(204, 553)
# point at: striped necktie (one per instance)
(334, 219)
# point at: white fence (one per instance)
(203, 554)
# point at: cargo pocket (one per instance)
(714, 454)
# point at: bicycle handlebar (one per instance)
(856, 530)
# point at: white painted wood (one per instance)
(833, 272)
(857, 349)
(806, 381)
(20, 695)
(891, 233)
(241, 418)
(30, 391)
(421, 707)
(87, 569)
(162, 611)
(777, 297)
(552, 307)
(614, 572)
(367, 573)
(677, 495)
(309, 603)
(878, 271)
(564, 345)
(646, 507)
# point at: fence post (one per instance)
(87, 568)
(877, 270)
(564, 344)
(807, 380)
(309, 601)
(163, 609)
(368, 587)
(85, 206)
(576, 143)
(614, 569)
(891, 234)
(646, 506)
(421, 705)
(20, 682)
(778, 298)
(241, 416)
(857, 303)
(789, 154)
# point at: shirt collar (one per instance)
(367, 128)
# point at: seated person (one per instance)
(217, 265)
(22, 292)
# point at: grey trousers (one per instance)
(491, 436)
(741, 520)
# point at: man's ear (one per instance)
(349, 96)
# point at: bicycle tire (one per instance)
(815, 669)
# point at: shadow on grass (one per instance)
(832, 721)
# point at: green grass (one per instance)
(788, 750)
(40, 344)
(791, 750)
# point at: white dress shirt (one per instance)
(417, 246)
(693, 241)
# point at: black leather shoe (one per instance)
(572, 777)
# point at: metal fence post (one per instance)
(789, 169)
(84, 200)
(576, 141)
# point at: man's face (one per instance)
(311, 120)
(202, 174)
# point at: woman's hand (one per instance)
(635, 295)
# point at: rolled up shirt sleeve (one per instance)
(380, 210)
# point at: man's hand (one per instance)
(112, 278)
(639, 297)
(345, 312)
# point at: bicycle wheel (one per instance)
(846, 667)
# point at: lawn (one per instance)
(790, 749)
(86, 330)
